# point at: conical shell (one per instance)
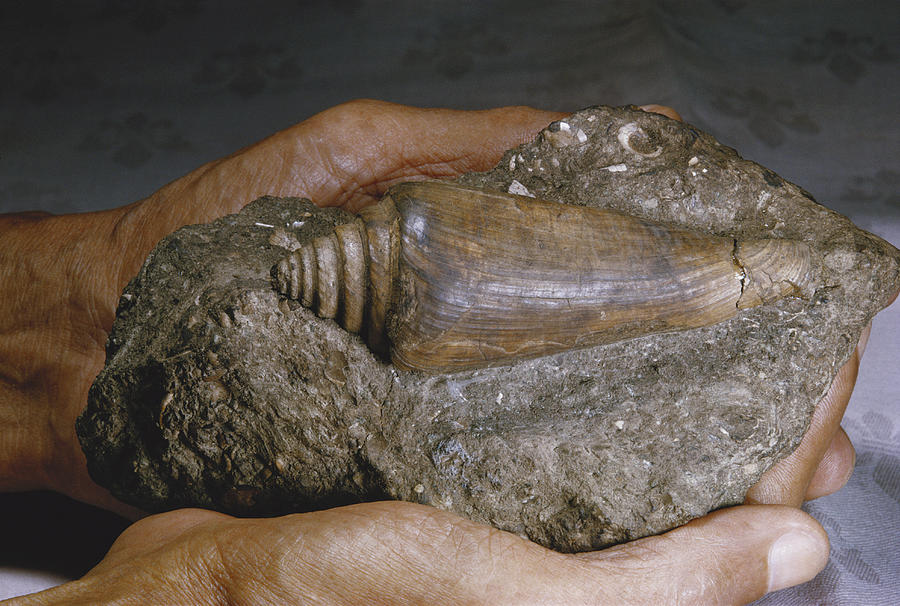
(440, 276)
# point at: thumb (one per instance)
(732, 556)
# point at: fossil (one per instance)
(221, 392)
(442, 276)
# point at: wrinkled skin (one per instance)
(69, 271)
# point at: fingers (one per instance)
(386, 143)
(835, 468)
(662, 109)
(732, 556)
(379, 144)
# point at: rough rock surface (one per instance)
(218, 394)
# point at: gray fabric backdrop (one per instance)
(103, 102)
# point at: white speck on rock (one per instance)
(693, 161)
(564, 126)
(616, 168)
(517, 188)
(280, 463)
(619, 424)
(582, 137)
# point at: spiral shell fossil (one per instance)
(437, 276)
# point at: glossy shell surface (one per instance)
(439, 276)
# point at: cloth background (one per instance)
(103, 102)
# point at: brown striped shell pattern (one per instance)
(441, 277)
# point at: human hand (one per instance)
(347, 156)
(400, 553)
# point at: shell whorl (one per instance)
(347, 275)
(439, 276)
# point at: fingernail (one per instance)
(794, 558)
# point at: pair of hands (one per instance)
(68, 272)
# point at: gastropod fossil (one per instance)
(438, 276)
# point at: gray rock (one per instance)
(216, 393)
